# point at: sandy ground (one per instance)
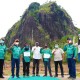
(7, 70)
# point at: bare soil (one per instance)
(7, 69)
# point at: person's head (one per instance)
(1, 42)
(16, 42)
(56, 46)
(37, 44)
(27, 48)
(69, 40)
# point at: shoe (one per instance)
(27, 75)
(62, 76)
(44, 75)
(23, 75)
(37, 75)
(12, 76)
(56, 76)
(17, 76)
(33, 75)
(73, 78)
(69, 77)
(1, 77)
(51, 75)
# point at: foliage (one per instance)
(8, 56)
(33, 6)
(34, 15)
(45, 8)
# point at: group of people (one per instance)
(39, 53)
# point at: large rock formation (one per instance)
(43, 23)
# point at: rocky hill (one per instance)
(42, 23)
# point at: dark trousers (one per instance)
(26, 66)
(15, 62)
(1, 67)
(56, 67)
(72, 67)
(47, 65)
(36, 65)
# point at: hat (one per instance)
(69, 39)
(16, 40)
(37, 43)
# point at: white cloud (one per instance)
(11, 10)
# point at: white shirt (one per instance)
(36, 52)
(57, 54)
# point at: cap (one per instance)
(37, 43)
(69, 39)
(16, 40)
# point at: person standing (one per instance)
(36, 58)
(71, 52)
(46, 52)
(58, 57)
(26, 60)
(3, 50)
(16, 51)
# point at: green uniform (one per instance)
(16, 51)
(2, 51)
(46, 51)
(71, 50)
(26, 58)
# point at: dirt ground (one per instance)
(7, 70)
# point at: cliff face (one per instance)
(43, 23)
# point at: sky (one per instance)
(11, 10)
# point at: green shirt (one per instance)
(16, 51)
(26, 58)
(2, 51)
(71, 50)
(46, 51)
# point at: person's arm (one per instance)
(62, 52)
(41, 50)
(53, 51)
(32, 49)
(11, 46)
(75, 52)
(50, 52)
(22, 51)
(62, 56)
(10, 49)
(65, 48)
